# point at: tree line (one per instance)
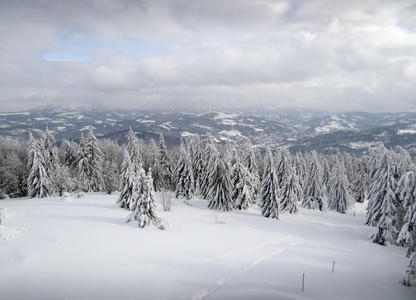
(232, 175)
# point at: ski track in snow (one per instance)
(205, 293)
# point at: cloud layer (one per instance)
(329, 55)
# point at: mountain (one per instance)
(300, 130)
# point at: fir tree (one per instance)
(95, 160)
(220, 188)
(185, 187)
(145, 209)
(38, 181)
(165, 164)
(252, 167)
(291, 193)
(63, 180)
(128, 178)
(269, 193)
(314, 193)
(110, 176)
(242, 185)
(339, 195)
(82, 165)
(383, 210)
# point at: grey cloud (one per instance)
(335, 55)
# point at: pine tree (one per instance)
(185, 187)
(209, 168)
(291, 193)
(383, 211)
(242, 185)
(145, 209)
(220, 188)
(314, 194)
(252, 167)
(165, 164)
(283, 167)
(133, 148)
(95, 159)
(269, 193)
(82, 165)
(128, 178)
(110, 177)
(63, 180)
(359, 184)
(339, 195)
(38, 181)
(410, 275)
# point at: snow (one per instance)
(331, 126)
(24, 113)
(406, 131)
(144, 121)
(186, 133)
(84, 250)
(224, 115)
(230, 132)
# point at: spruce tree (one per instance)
(185, 187)
(242, 185)
(339, 194)
(82, 165)
(128, 178)
(291, 193)
(110, 177)
(383, 210)
(252, 167)
(165, 164)
(219, 184)
(38, 181)
(269, 193)
(95, 160)
(314, 196)
(145, 209)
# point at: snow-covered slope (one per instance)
(84, 250)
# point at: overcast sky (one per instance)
(209, 54)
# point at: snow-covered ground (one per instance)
(84, 250)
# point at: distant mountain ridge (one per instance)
(299, 130)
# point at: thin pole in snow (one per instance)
(303, 282)
(333, 266)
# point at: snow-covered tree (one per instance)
(82, 165)
(38, 182)
(127, 182)
(50, 152)
(383, 210)
(166, 164)
(283, 165)
(314, 196)
(145, 210)
(95, 160)
(220, 189)
(409, 276)
(209, 168)
(252, 167)
(359, 185)
(339, 194)
(269, 193)
(185, 186)
(290, 193)
(241, 181)
(110, 176)
(63, 180)
(133, 148)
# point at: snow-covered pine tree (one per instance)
(95, 159)
(291, 193)
(360, 183)
(133, 148)
(269, 192)
(145, 209)
(82, 167)
(314, 196)
(241, 182)
(50, 152)
(197, 158)
(69, 150)
(409, 276)
(339, 194)
(128, 178)
(383, 186)
(165, 164)
(283, 160)
(251, 164)
(185, 186)
(110, 177)
(38, 181)
(209, 168)
(220, 189)
(63, 181)
(405, 195)
(383, 210)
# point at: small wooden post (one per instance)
(333, 266)
(303, 282)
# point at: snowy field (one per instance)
(52, 249)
